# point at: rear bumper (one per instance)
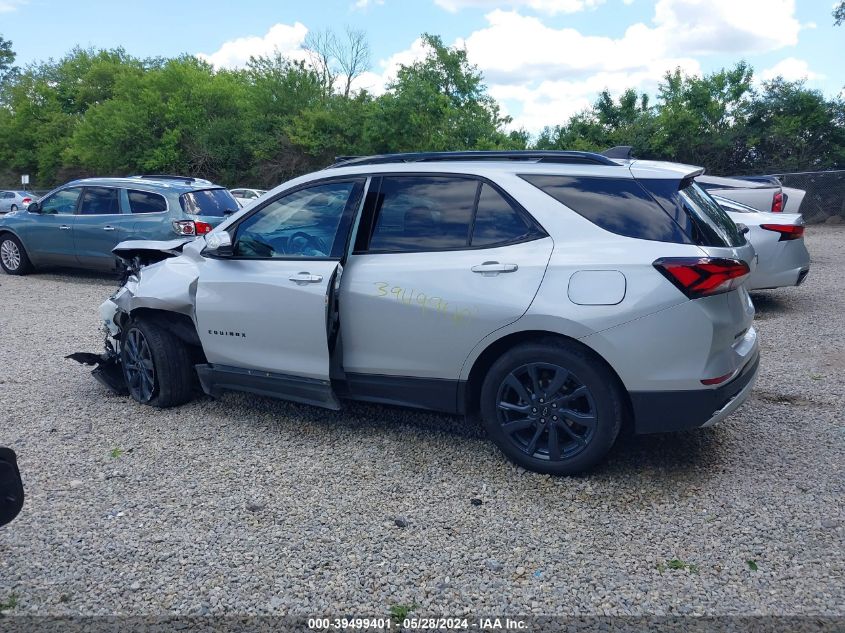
(668, 411)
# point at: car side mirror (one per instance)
(35, 207)
(218, 244)
(11, 486)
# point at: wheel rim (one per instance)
(10, 254)
(13, 208)
(138, 366)
(546, 411)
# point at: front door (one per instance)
(49, 237)
(450, 260)
(265, 309)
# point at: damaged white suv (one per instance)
(557, 295)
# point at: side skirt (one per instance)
(432, 394)
(217, 378)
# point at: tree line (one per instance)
(105, 112)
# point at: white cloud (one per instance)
(282, 38)
(366, 4)
(551, 7)
(7, 6)
(791, 69)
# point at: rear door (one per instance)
(100, 225)
(265, 309)
(440, 262)
(6, 200)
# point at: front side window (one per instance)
(146, 202)
(99, 201)
(62, 202)
(209, 202)
(423, 213)
(307, 223)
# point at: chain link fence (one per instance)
(825, 199)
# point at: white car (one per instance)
(778, 239)
(554, 295)
(245, 196)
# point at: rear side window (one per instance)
(99, 201)
(210, 202)
(618, 205)
(497, 221)
(146, 202)
(417, 213)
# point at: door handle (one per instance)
(109, 228)
(306, 278)
(490, 269)
(64, 227)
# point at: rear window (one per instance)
(209, 202)
(712, 219)
(146, 202)
(618, 205)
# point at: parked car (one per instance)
(80, 223)
(245, 196)
(11, 201)
(778, 239)
(763, 194)
(11, 486)
(557, 295)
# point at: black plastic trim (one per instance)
(545, 156)
(669, 411)
(217, 378)
(432, 394)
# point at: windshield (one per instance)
(209, 202)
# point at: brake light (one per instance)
(777, 202)
(703, 276)
(26, 200)
(787, 231)
(191, 227)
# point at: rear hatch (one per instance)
(211, 205)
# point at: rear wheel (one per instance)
(13, 257)
(551, 407)
(156, 365)
(13, 208)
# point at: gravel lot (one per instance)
(250, 505)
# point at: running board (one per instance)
(217, 378)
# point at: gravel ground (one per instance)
(250, 505)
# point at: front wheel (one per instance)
(13, 257)
(552, 407)
(156, 365)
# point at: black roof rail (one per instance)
(625, 152)
(185, 179)
(540, 156)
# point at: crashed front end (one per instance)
(158, 275)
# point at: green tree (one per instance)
(438, 103)
(839, 13)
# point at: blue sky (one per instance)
(543, 59)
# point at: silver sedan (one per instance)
(13, 200)
(778, 239)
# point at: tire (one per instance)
(577, 401)
(13, 257)
(156, 365)
(13, 208)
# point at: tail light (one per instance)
(787, 231)
(703, 276)
(777, 202)
(26, 200)
(191, 227)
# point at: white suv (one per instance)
(557, 295)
